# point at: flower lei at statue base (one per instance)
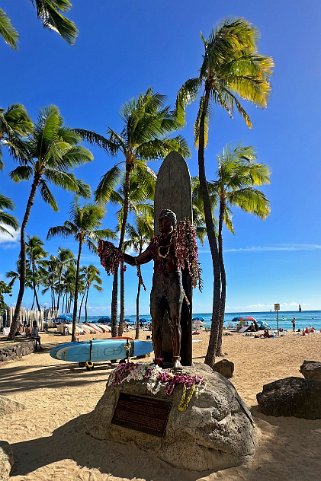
(157, 378)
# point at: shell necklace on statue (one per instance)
(163, 250)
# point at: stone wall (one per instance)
(13, 349)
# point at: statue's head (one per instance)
(167, 221)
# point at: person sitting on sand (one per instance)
(35, 335)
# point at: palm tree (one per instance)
(7, 221)
(64, 258)
(91, 279)
(83, 226)
(231, 69)
(139, 235)
(35, 253)
(139, 194)
(144, 137)
(14, 124)
(50, 12)
(52, 150)
(238, 173)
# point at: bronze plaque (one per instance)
(142, 413)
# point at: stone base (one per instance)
(215, 432)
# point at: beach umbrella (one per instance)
(198, 319)
(243, 318)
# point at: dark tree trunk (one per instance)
(34, 284)
(223, 279)
(210, 355)
(86, 300)
(122, 303)
(80, 307)
(114, 295)
(113, 309)
(22, 270)
(74, 314)
(137, 310)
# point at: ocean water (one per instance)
(303, 319)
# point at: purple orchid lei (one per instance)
(156, 378)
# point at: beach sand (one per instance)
(49, 442)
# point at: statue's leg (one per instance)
(175, 298)
(157, 310)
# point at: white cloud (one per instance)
(7, 239)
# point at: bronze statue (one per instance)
(174, 252)
(167, 292)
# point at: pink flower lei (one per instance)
(155, 378)
(110, 257)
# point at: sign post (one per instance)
(277, 308)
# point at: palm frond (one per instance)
(49, 13)
(9, 221)
(63, 230)
(5, 202)
(186, 95)
(47, 195)
(107, 184)
(7, 30)
(22, 172)
(97, 139)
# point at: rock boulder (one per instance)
(224, 367)
(292, 396)
(311, 370)
(215, 432)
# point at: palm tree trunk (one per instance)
(114, 296)
(34, 284)
(113, 309)
(80, 307)
(210, 355)
(122, 303)
(74, 314)
(22, 277)
(86, 300)
(137, 310)
(219, 351)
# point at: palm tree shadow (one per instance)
(71, 441)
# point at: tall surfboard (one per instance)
(173, 191)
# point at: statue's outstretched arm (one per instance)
(143, 258)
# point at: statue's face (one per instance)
(165, 225)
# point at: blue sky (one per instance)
(126, 46)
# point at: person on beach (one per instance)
(35, 335)
(293, 324)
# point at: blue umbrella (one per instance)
(63, 318)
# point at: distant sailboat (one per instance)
(300, 308)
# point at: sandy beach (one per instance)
(49, 443)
